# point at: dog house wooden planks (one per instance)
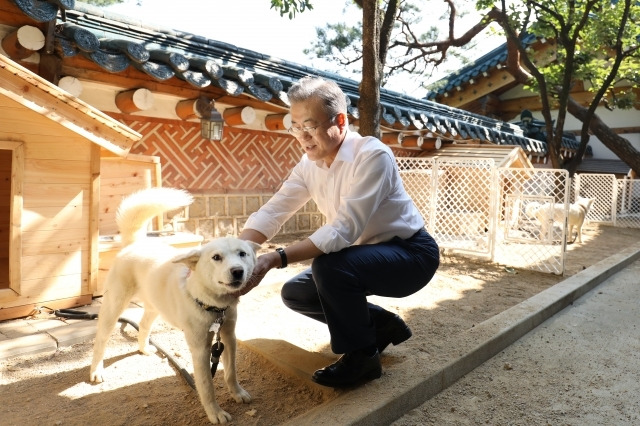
(51, 146)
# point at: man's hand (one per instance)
(263, 265)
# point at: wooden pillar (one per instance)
(239, 116)
(23, 42)
(392, 138)
(187, 109)
(71, 85)
(134, 100)
(412, 141)
(277, 121)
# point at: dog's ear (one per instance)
(190, 258)
(255, 246)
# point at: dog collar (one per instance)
(210, 308)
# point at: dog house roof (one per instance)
(39, 95)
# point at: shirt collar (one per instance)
(347, 150)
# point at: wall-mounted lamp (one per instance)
(211, 120)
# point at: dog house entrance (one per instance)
(6, 161)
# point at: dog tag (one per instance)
(216, 350)
(215, 327)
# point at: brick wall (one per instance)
(230, 179)
(218, 215)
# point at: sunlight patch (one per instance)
(138, 369)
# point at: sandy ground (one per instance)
(148, 390)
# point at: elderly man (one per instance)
(373, 243)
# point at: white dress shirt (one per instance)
(361, 195)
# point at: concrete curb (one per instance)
(381, 406)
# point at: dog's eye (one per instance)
(242, 254)
(216, 257)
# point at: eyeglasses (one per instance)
(298, 131)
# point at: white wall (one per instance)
(614, 119)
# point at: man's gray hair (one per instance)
(333, 98)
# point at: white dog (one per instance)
(548, 213)
(195, 291)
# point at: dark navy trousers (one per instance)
(335, 289)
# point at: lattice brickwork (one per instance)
(243, 160)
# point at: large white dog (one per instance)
(195, 291)
(548, 213)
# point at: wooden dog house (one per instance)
(51, 147)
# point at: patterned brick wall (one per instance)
(245, 160)
(230, 179)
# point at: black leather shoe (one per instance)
(350, 369)
(393, 330)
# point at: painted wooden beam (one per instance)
(134, 100)
(23, 42)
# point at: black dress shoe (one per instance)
(393, 330)
(350, 369)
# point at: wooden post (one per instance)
(412, 141)
(187, 109)
(277, 121)
(430, 144)
(71, 85)
(392, 138)
(23, 42)
(134, 100)
(239, 116)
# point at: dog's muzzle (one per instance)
(237, 275)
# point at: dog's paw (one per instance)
(95, 375)
(241, 395)
(147, 350)
(219, 417)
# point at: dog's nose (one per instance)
(237, 273)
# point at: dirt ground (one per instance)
(148, 390)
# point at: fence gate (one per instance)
(628, 203)
(532, 218)
(604, 188)
(454, 197)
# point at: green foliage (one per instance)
(412, 42)
(291, 7)
(587, 35)
(337, 42)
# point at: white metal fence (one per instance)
(517, 217)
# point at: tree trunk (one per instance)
(369, 103)
(617, 144)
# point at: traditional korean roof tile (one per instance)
(592, 165)
(116, 42)
(494, 59)
(483, 65)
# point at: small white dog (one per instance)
(195, 291)
(548, 214)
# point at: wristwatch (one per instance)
(283, 257)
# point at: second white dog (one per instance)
(195, 291)
(547, 214)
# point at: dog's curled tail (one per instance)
(137, 209)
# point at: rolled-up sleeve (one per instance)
(285, 203)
